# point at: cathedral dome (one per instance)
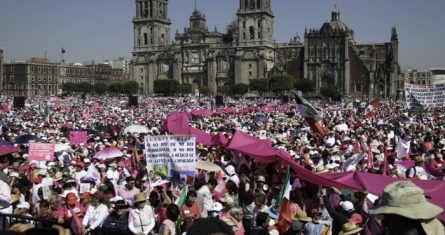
(336, 23)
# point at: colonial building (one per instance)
(247, 51)
(414, 76)
(37, 76)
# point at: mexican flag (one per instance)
(310, 113)
(282, 202)
(182, 196)
(47, 112)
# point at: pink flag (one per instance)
(220, 189)
(357, 148)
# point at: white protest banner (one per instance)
(424, 96)
(170, 157)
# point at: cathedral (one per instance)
(328, 56)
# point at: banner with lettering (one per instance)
(41, 152)
(78, 137)
(170, 157)
(424, 96)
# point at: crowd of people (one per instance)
(89, 195)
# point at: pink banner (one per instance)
(41, 152)
(78, 137)
(177, 123)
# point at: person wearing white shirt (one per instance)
(96, 213)
(141, 220)
(112, 173)
(418, 171)
(205, 201)
(80, 172)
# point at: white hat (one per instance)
(227, 199)
(14, 174)
(24, 205)
(86, 160)
(347, 205)
(43, 172)
(101, 166)
(216, 207)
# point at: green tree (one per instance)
(84, 87)
(204, 90)
(185, 89)
(280, 83)
(115, 88)
(240, 89)
(261, 85)
(226, 89)
(100, 88)
(329, 91)
(305, 85)
(130, 87)
(167, 87)
(68, 87)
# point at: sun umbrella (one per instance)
(4, 142)
(136, 129)
(207, 166)
(61, 147)
(8, 149)
(106, 129)
(108, 153)
(24, 139)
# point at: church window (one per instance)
(250, 73)
(145, 9)
(162, 40)
(151, 8)
(259, 23)
(244, 36)
(145, 39)
(250, 66)
(252, 4)
(259, 35)
(246, 4)
(258, 4)
(160, 9)
(244, 24)
(252, 32)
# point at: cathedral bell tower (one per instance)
(255, 22)
(151, 25)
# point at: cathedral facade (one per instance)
(207, 58)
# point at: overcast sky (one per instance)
(102, 29)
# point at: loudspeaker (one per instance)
(133, 100)
(219, 100)
(19, 102)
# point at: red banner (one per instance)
(41, 152)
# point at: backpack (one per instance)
(408, 170)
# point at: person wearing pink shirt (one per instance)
(128, 191)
